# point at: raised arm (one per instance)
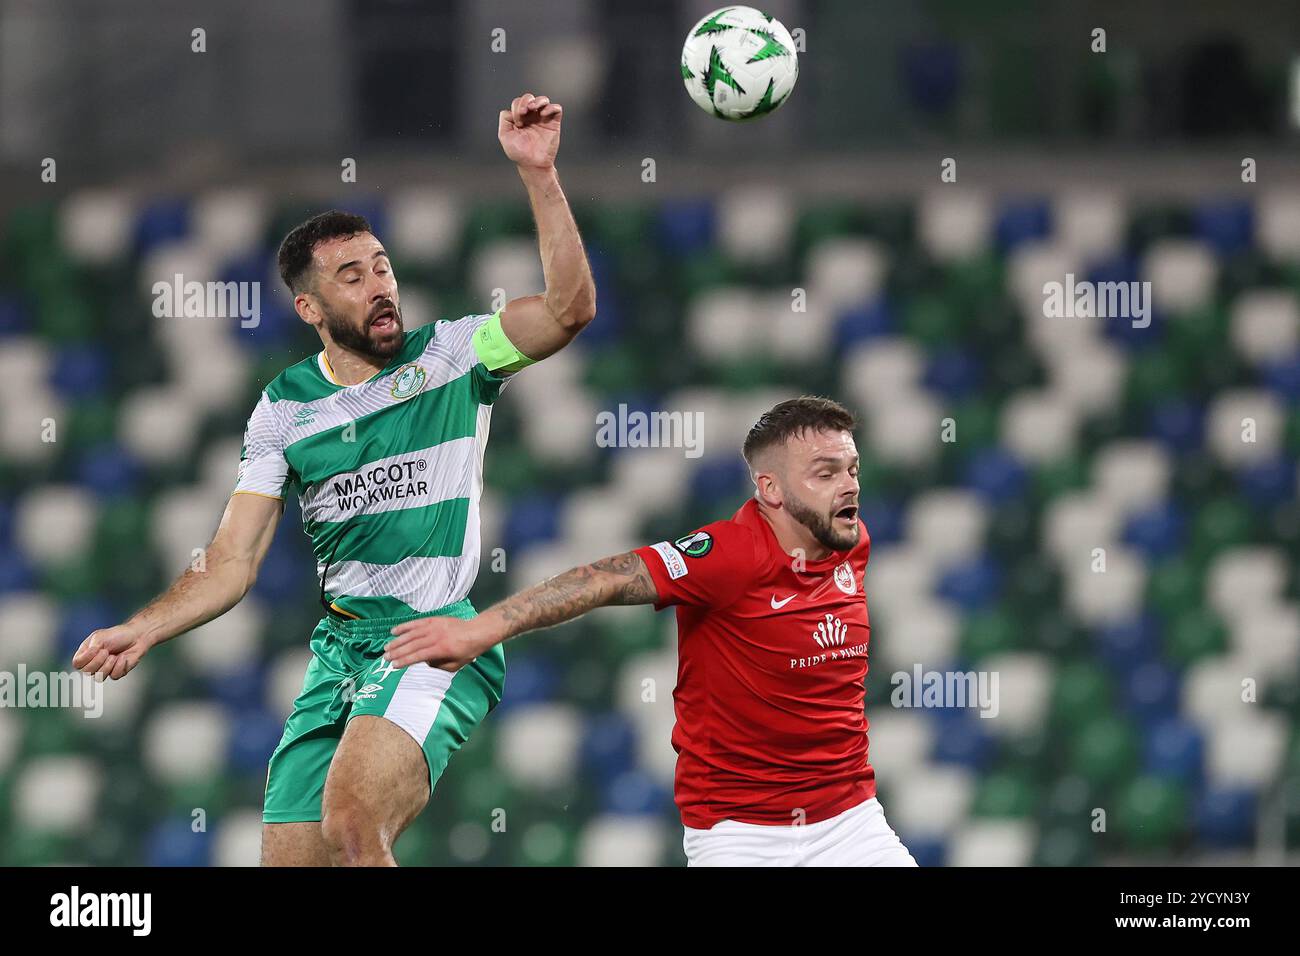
(541, 325)
(228, 570)
(450, 643)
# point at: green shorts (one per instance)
(348, 677)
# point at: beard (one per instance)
(820, 525)
(362, 340)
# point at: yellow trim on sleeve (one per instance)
(355, 617)
(241, 491)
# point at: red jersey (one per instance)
(771, 672)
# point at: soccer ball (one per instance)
(739, 64)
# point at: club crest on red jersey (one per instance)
(844, 578)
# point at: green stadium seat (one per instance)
(1151, 813)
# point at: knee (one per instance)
(353, 836)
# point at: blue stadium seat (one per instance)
(80, 371)
(883, 518)
(1268, 483)
(1175, 748)
(108, 469)
(15, 316)
(1283, 377)
(1022, 220)
(79, 619)
(173, 842)
(1225, 816)
(1157, 532)
(609, 745)
(972, 585)
(241, 689)
(254, 734)
(530, 679)
(954, 373)
(995, 474)
(961, 740)
(163, 220)
(1179, 423)
(636, 793)
(686, 227)
(865, 322)
(1226, 224)
(1126, 645)
(1150, 692)
(531, 520)
(926, 851)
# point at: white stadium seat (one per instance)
(1031, 265)
(1242, 579)
(754, 223)
(899, 577)
(537, 744)
(185, 519)
(931, 802)
(843, 272)
(948, 525)
(424, 226)
(1268, 637)
(159, 424)
(1244, 426)
(954, 225)
(230, 222)
(55, 523)
(1024, 690)
(57, 794)
(876, 371)
(1182, 273)
(725, 323)
(284, 682)
(1091, 224)
(95, 226)
(1039, 426)
(1214, 687)
(1091, 378)
(1266, 325)
(900, 741)
(1132, 474)
(227, 643)
(993, 843)
(31, 623)
(613, 840)
(1075, 523)
(508, 264)
(1114, 595)
(926, 631)
(11, 738)
(185, 742)
(238, 839)
(905, 429)
(1248, 750)
(1277, 227)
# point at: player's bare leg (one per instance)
(378, 782)
(294, 844)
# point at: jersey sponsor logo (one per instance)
(672, 560)
(407, 381)
(695, 545)
(777, 605)
(830, 632)
(379, 484)
(304, 416)
(844, 578)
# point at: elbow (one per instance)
(577, 314)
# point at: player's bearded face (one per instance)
(377, 334)
(835, 527)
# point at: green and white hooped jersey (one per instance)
(388, 472)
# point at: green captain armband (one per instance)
(495, 350)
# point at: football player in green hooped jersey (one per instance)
(381, 436)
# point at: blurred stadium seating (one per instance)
(1121, 689)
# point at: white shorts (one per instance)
(857, 837)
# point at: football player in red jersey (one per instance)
(771, 731)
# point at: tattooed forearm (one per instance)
(622, 579)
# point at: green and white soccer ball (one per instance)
(739, 64)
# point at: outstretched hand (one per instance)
(445, 642)
(529, 131)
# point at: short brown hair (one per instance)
(793, 417)
(298, 246)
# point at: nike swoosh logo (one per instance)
(777, 605)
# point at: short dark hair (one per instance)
(296, 250)
(793, 417)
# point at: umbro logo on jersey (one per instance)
(830, 632)
(304, 416)
(777, 605)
